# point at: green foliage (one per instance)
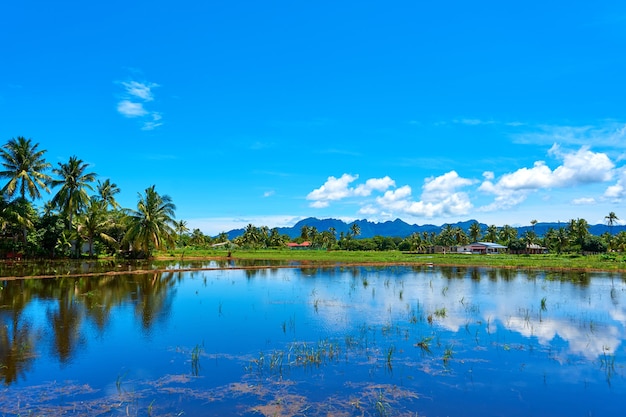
(517, 245)
(594, 244)
(152, 225)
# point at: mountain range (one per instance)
(399, 228)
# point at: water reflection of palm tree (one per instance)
(17, 339)
(66, 322)
(154, 296)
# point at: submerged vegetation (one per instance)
(311, 341)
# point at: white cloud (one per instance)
(140, 90)
(439, 188)
(132, 104)
(129, 109)
(578, 168)
(333, 189)
(617, 191)
(151, 125)
(608, 134)
(439, 197)
(374, 184)
(368, 210)
(584, 201)
(269, 193)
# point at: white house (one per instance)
(481, 248)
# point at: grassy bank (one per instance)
(604, 262)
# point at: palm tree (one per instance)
(474, 231)
(507, 234)
(460, 237)
(304, 232)
(181, 229)
(24, 167)
(107, 191)
(355, 229)
(94, 222)
(610, 220)
(152, 225)
(578, 230)
(492, 233)
(72, 196)
(560, 239)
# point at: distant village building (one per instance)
(531, 248)
(303, 245)
(481, 248)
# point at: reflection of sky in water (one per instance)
(591, 319)
(502, 342)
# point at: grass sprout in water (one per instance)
(195, 360)
(424, 344)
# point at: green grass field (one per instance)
(602, 262)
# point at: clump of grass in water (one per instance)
(424, 344)
(608, 364)
(440, 312)
(390, 352)
(382, 406)
(195, 360)
(118, 382)
(447, 355)
(543, 308)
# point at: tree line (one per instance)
(573, 237)
(82, 217)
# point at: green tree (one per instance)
(24, 166)
(74, 182)
(492, 233)
(152, 225)
(507, 235)
(107, 191)
(355, 229)
(94, 223)
(181, 231)
(611, 218)
(475, 232)
(578, 230)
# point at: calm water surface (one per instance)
(360, 341)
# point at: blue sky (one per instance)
(270, 112)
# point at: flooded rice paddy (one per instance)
(357, 341)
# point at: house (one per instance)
(536, 249)
(481, 248)
(303, 245)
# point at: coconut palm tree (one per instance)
(578, 230)
(24, 167)
(475, 232)
(107, 191)
(74, 181)
(507, 234)
(492, 233)
(94, 222)
(152, 225)
(355, 229)
(610, 220)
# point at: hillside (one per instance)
(399, 228)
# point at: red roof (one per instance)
(298, 245)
